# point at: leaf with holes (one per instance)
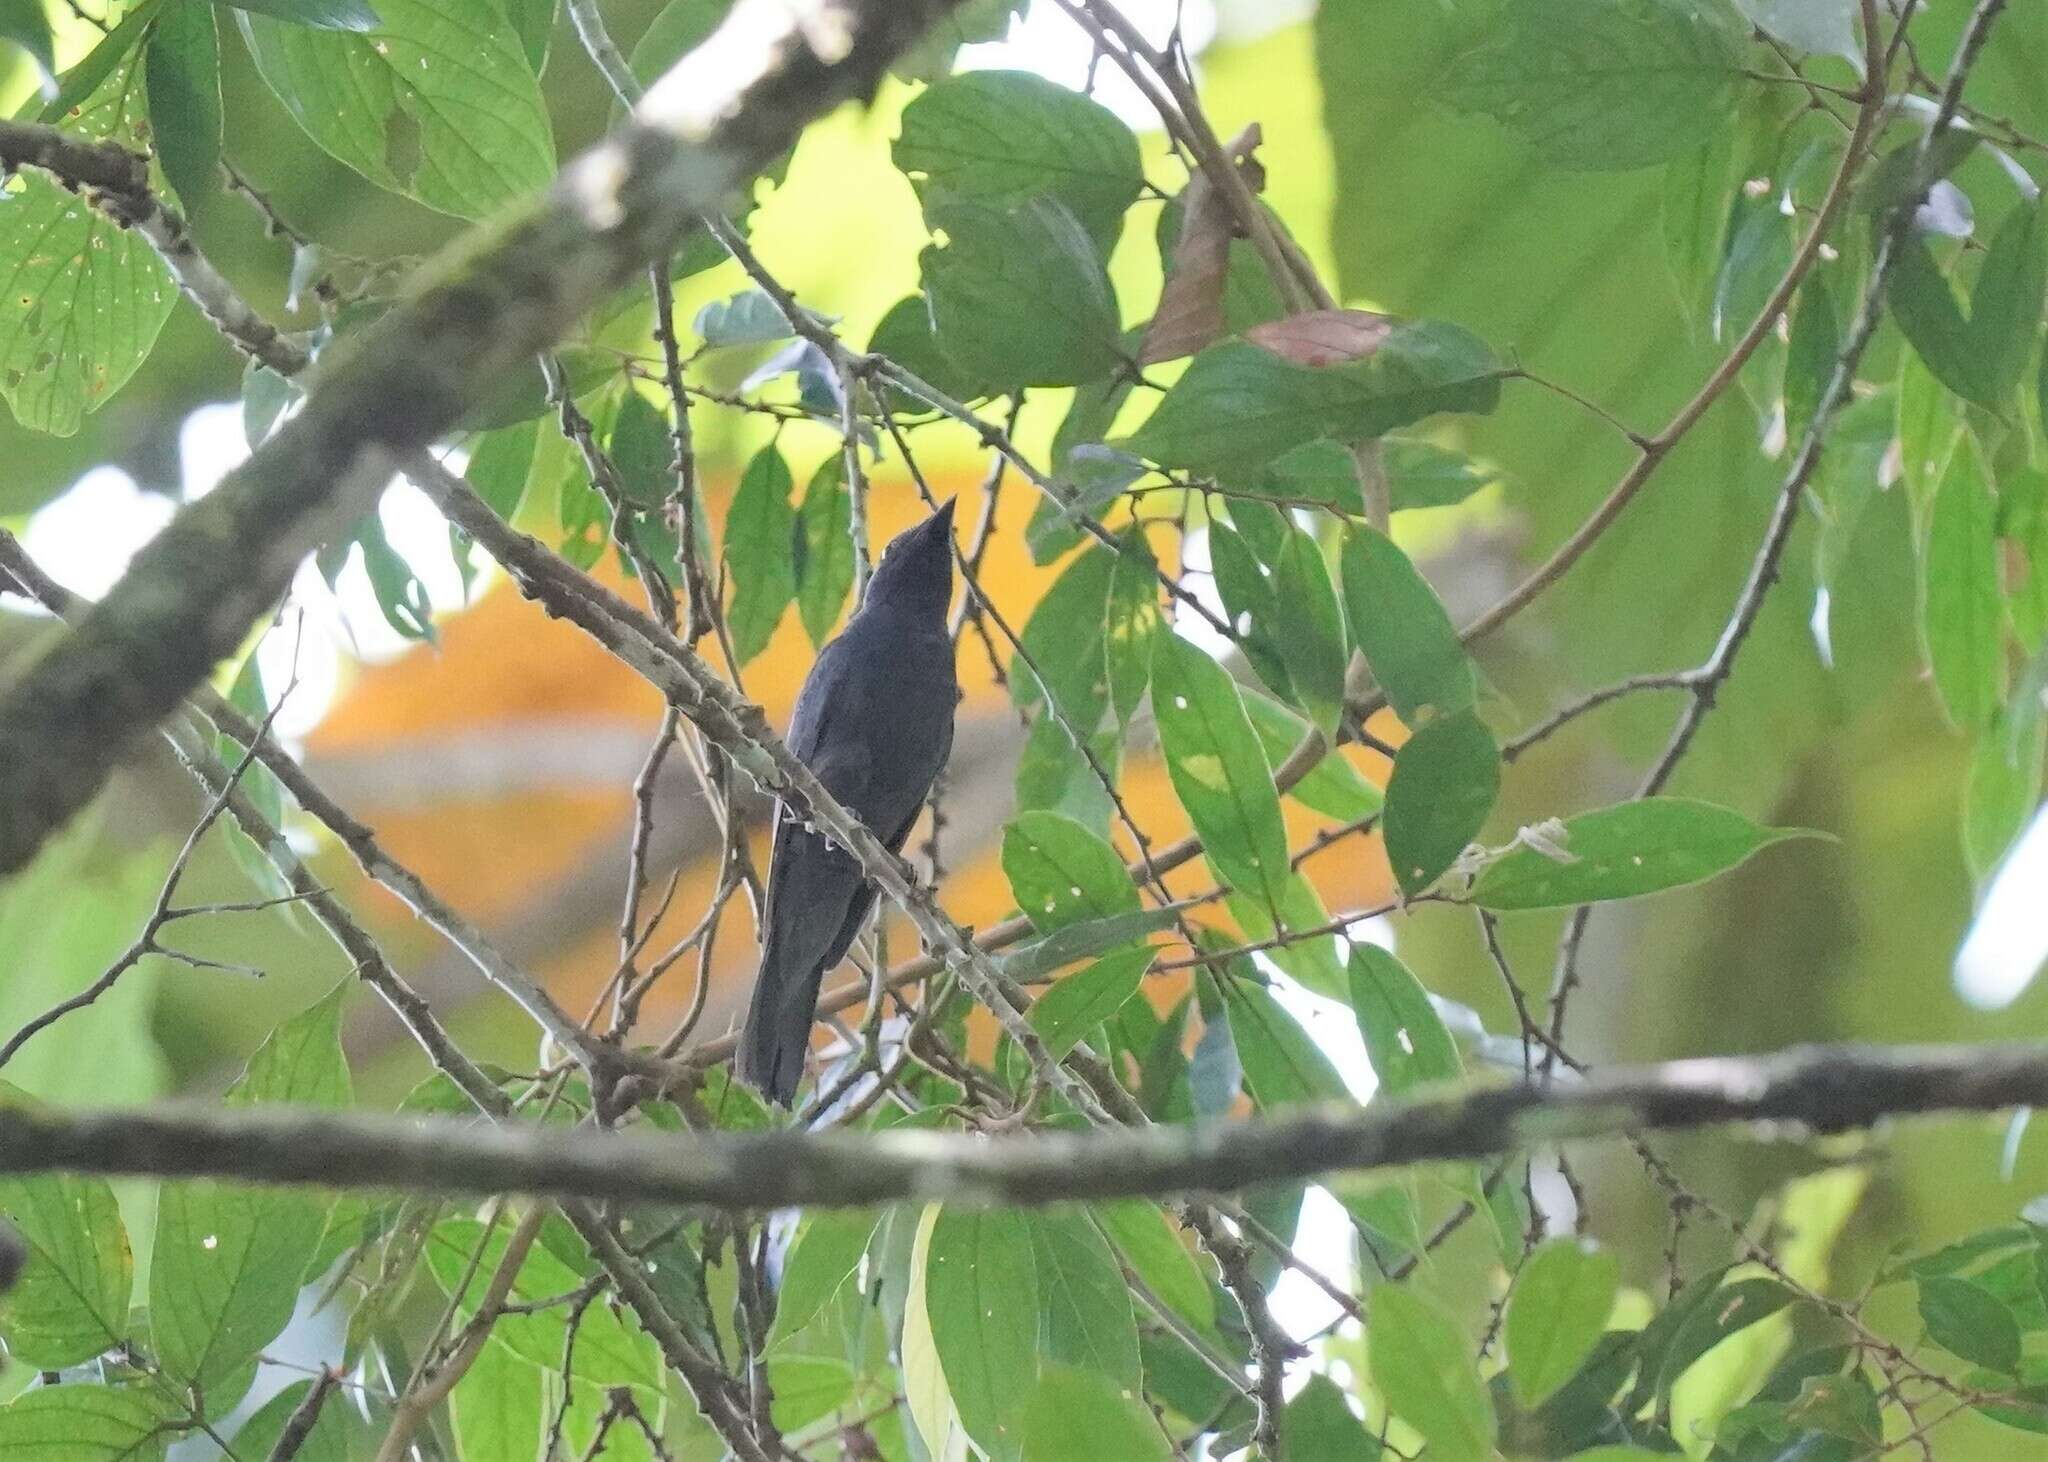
(70, 1301)
(1020, 296)
(82, 298)
(1061, 873)
(437, 102)
(1405, 1039)
(827, 1252)
(1626, 851)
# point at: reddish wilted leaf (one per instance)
(1323, 337)
(1190, 313)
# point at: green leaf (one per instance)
(437, 102)
(1086, 1318)
(1283, 1066)
(1215, 1076)
(82, 298)
(981, 1296)
(962, 25)
(1333, 786)
(1318, 1423)
(2005, 305)
(499, 464)
(1080, 1415)
(1239, 406)
(760, 530)
(2004, 784)
(1091, 478)
(1131, 620)
(1929, 428)
(1603, 84)
(1314, 646)
(905, 336)
(1072, 1007)
(1405, 1039)
(25, 23)
(1020, 296)
(1422, 1363)
(1424, 475)
(1064, 640)
(498, 1407)
(1403, 629)
(1312, 961)
(1251, 606)
(1218, 769)
(1817, 27)
(1002, 137)
(1318, 472)
(181, 72)
(1962, 619)
(227, 1262)
(1445, 779)
(81, 1423)
(748, 318)
(1624, 852)
(1151, 1245)
(70, 1302)
(1061, 873)
(1083, 941)
(824, 549)
(1929, 317)
(1557, 1312)
(351, 15)
(1810, 354)
(827, 1251)
(1967, 1320)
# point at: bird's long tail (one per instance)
(777, 1035)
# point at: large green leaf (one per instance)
(1333, 786)
(1422, 1363)
(1604, 84)
(1131, 620)
(1557, 1312)
(1218, 769)
(82, 1423)
(1002, 137)
(1966, 1319)
(1078, 1414)
(1239, 405)
(1318, 1423)
(1402, 627)
(71, 1300)
(981, 1296)
(181, 69)
(1445, 779)
(227, 1263)
(1149, 1242)
(1061, 873)
(437, 103)
(356, 15)
(1085, 1309)
(1624, 852)
(1961, 613)
(1251, 606)
(81, 298)
(1019, 295)
(339, 1433)
(1980, 357)
(498, 1406)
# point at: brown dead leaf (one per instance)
(1323, 337)
(1190, 313)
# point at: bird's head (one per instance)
(916, 571)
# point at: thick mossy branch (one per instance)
(1799, 1092)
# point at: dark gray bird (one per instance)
(875, 722)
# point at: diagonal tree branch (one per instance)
(1815, 1089)
(486, 307)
